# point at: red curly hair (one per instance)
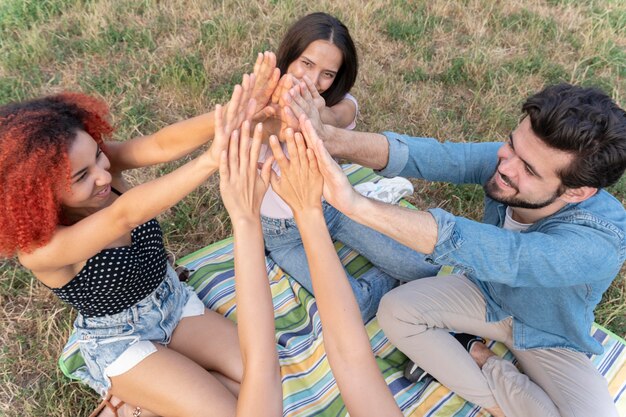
(34, 166)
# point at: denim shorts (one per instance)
(113, 344)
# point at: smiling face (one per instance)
(90, 180)
(527, 173)
(320, 61)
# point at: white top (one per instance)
(350, 97)
(513, 225)
(273, 206)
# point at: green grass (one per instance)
(452, 70)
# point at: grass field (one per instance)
(456, 70)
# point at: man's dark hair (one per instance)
(586, 123)
(321, 26)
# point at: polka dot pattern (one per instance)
(118, 278)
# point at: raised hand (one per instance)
(311, 91)
(265, 83)
(337, 189)
(286, 118)
(230, 118)
(300, 182)
(299, 102)
(241, 185)
(286, 82)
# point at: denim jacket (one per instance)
(548, 278)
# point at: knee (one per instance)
(385, 308)
(388, 313)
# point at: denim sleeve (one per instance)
(427, 158)
(560, 254)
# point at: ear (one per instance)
(576, 195)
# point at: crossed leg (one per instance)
(417, 318)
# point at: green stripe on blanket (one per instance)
(308, 385)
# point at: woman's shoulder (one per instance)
(57, 277)
(351, 98)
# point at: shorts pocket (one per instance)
(120, 324)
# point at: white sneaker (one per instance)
(387, 190)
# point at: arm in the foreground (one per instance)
(360, 382)
(242, 190)
(413, 228)
(364, 148)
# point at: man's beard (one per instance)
(491, 189)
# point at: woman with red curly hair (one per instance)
(70, 218)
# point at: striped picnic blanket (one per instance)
(309, 388)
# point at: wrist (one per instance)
(246, 221)
(207, 162)
(355, 204)
(309, 214)
(330, 136)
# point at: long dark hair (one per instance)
(321, 26)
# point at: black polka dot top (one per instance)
(118, 278)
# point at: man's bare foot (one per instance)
(480, 353)
(495, 411)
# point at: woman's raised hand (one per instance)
(300, 182)
(241, 185)
(337, 188)
(286, 82)
(299, 101)
(311, 93)
(266, 80)
(229, 117)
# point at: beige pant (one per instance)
(417, 316)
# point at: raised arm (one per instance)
(413, 228)
(367, 149)
(347, 346)
(179, 139)
(340, 115)
(242, 190)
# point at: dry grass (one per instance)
(455, 70)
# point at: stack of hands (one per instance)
(279, 109)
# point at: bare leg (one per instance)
(211, 341)
(199, 344)
(171, 384)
